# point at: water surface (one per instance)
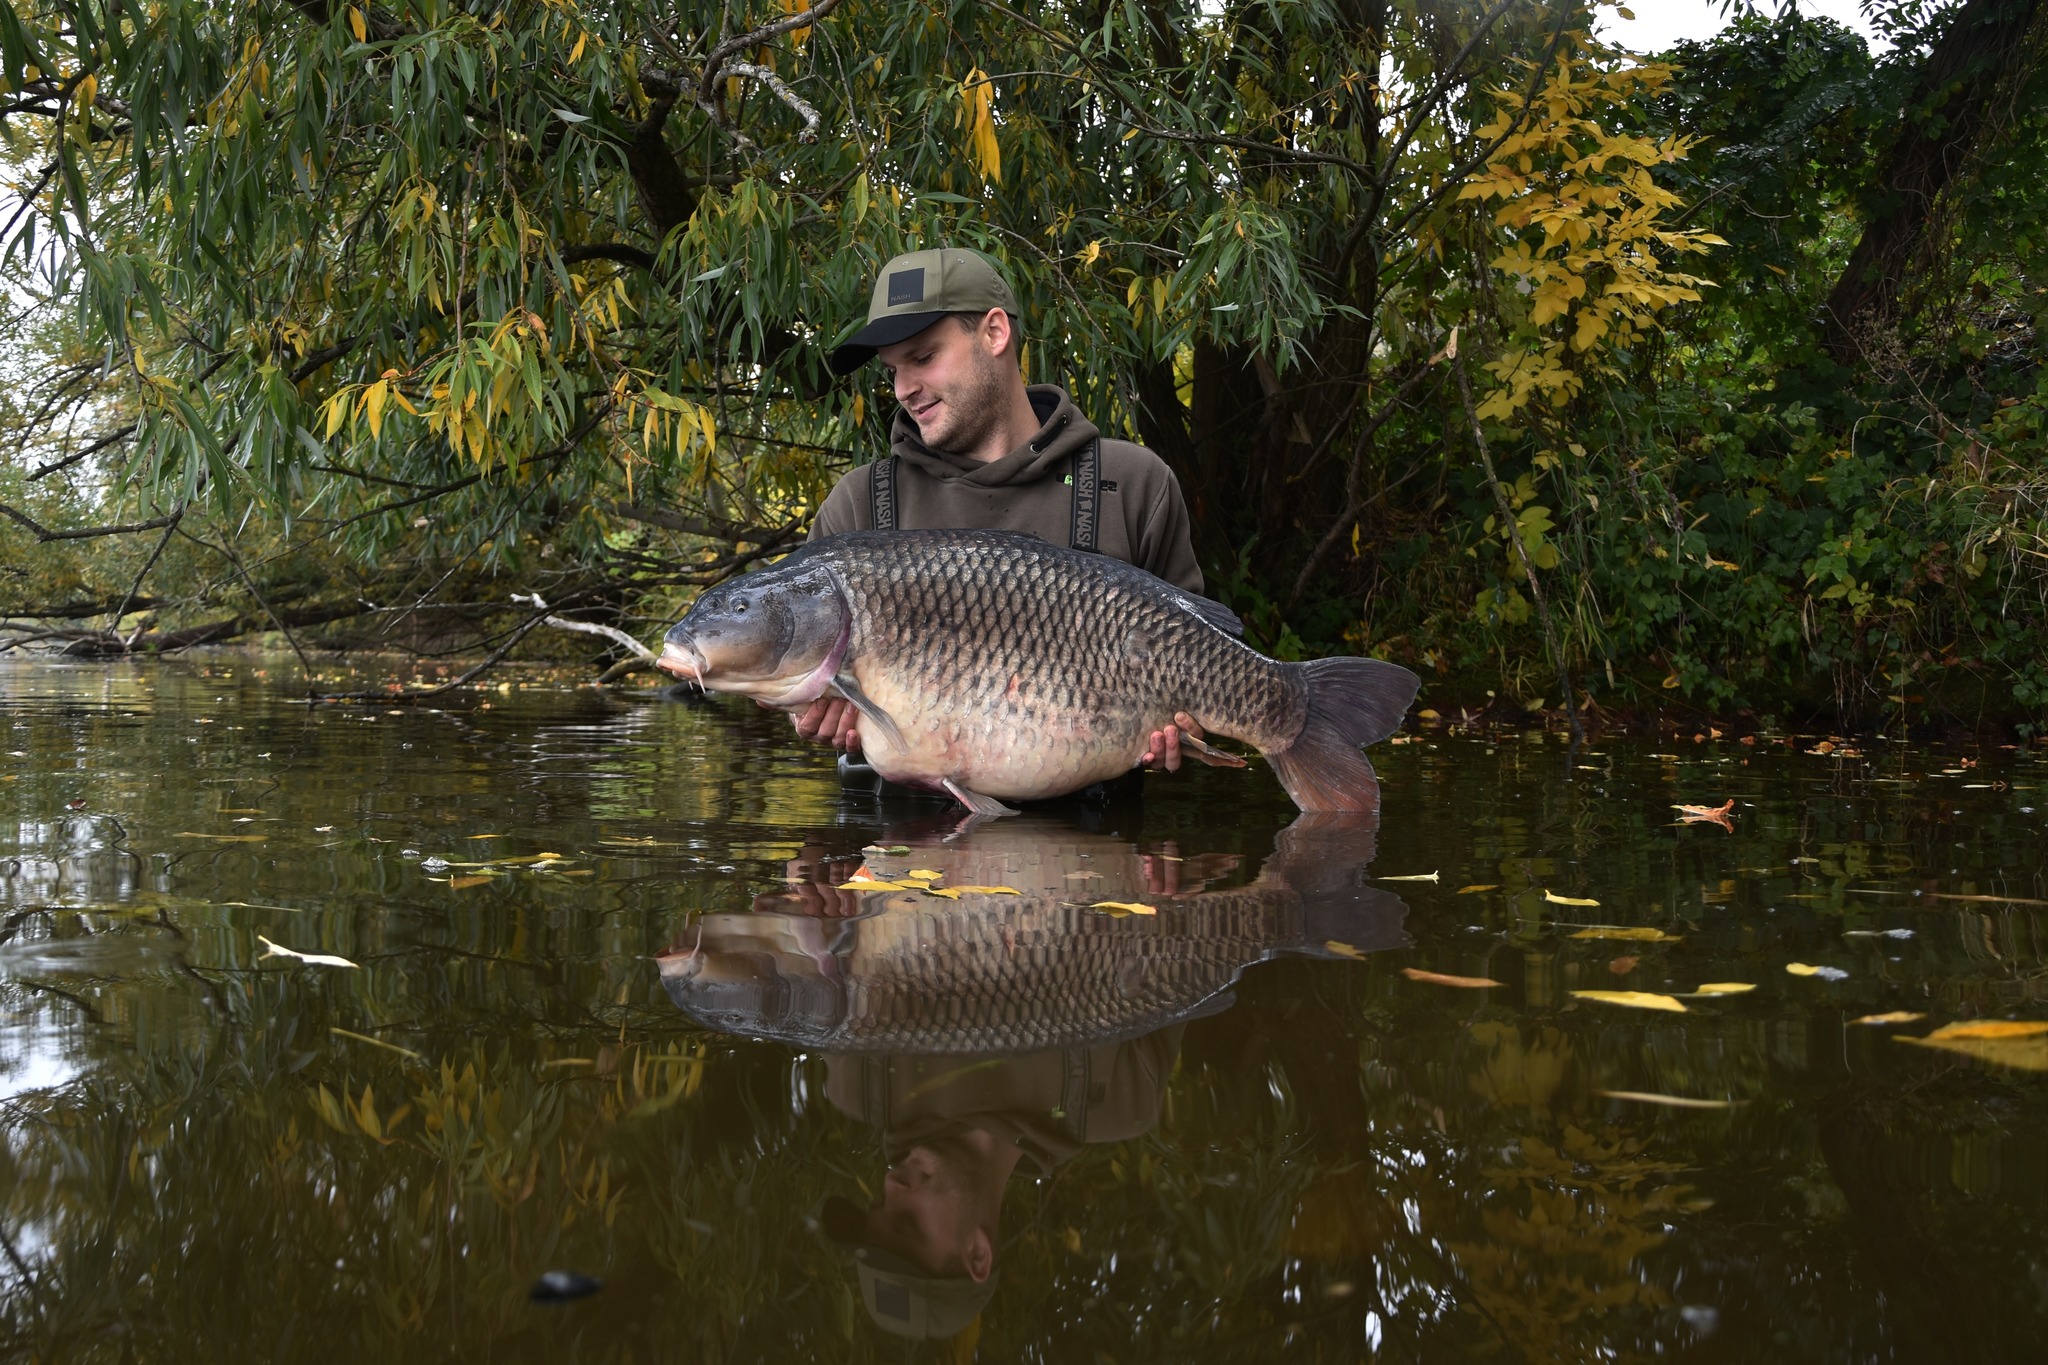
(616, 1011)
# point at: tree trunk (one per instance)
(1957, 107)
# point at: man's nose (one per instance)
(906, 386)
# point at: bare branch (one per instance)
(789, 97)
(46, 535)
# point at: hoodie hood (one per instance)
(1062, 430)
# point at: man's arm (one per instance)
(1163, 538)
(832, 720)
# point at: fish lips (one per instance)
(681, 657)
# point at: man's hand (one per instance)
(830, 720)
(1164, 749)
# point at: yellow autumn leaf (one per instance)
(1895, 1017)
(923, 874)
(357, 26)
(985, 891)
(1343, 950)
(1672, 1101)
(1724, 988)
(1556, 899)
(1627, 933)
(1471, 890)
(1124, 908)
(1992, 1028)
(1439, 979)
(2025, 1054)
(1635, 1000)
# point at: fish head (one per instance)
(777, 636)
(758, 975)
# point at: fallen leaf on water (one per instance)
(1635, 1000)
(1992, 1028)
(1895, 1017)
(483, 836)
(1622, 966)
(923, 874)
(2026, 1054)
(1124, 908)
(1411, 877)
(223, 838)
(1674, 1101)
(1439, 979)
(323, 829)
(1556, 899)
(898, 849)
(1724, 988)
(1631, 933)
(1717, 815)
(310, 959)
(459, 883)
(1343, 950)
(1469, 890)
(871, 884)
(1824, 973)
(982, 891)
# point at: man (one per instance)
(974, 446)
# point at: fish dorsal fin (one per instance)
(1215, 613)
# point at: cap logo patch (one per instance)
(906, 286)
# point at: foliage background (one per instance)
(370, 317)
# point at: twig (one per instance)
(46, 535)
(612, 633)
(496, 656)
(717, 61)
(114, 621)
(43, 471)
(790, 97)
(1514, 535)
(305, 664)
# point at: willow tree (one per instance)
(551, 273)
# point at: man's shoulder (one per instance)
(1127, 462)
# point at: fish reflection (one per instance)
(1005, 1030)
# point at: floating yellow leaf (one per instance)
(983, 891)
(1724, 988)
(459, 883)
(1991, 1028)
(1439, 979)
(1343, 950)
(870, 884)
(1556, 899)
(1824, 973)
(1631, 933)
(1674, 1101)
(1895, 1017)
(1124, 908)
(2027, 1054)
(1635, 1000)
(924, 874)
(1469, 890)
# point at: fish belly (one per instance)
(1000, 740)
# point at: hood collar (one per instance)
(1061, 431)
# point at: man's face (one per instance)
(951, 380)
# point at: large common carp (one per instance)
(1010, 950)
(993, 666)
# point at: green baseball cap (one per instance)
(914, 291)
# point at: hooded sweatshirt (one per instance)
(1143, 520)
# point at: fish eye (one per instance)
(739, 606)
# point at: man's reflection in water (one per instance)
(1002, 1019)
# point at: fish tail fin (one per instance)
(1351, 702)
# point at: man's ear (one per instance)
(1001, 333)
(980, 1256)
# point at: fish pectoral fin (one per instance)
(862, 703)
(975, 801)
(1209, 753)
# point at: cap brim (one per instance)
(858, 349)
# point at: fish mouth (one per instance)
(683, 659)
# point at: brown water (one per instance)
(212, 1154)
